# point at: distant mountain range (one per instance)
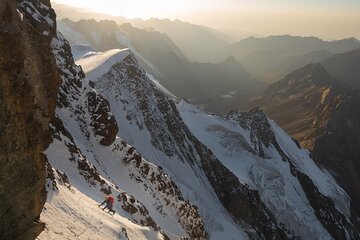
(293, 45)
(198, 43)
(345, 68)
(271, 58)
(174, 45)
(106, 34)
(319, 106)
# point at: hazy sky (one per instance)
(329, 19)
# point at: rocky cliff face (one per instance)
(29, 82)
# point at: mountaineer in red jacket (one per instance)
(109, 200)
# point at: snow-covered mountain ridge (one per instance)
(277, 193)
(176, 172)
(132, 96)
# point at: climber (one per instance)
(109, 200)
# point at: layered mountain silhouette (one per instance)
(271, 58)
(345, 68)
(197, 42)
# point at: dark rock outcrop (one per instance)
(29, 82)
(102, 120)
(257, 123)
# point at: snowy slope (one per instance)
(279, 189)
(98, 63)
(73, 215)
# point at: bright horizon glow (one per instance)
(328, 19)
(137, 8)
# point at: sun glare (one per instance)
(261, 17)
(134, 8)
(146, 9)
